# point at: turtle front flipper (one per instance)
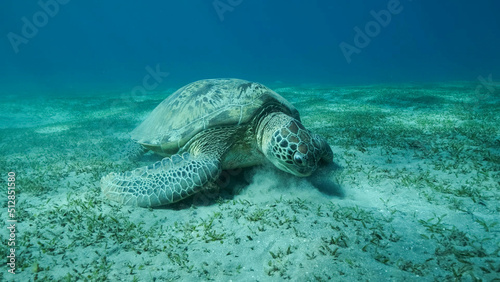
(167, 181)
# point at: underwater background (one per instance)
(93, 42)
(407, 94)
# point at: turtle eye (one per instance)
(297, 158)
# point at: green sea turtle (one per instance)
(209, 126)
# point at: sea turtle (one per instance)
(213, 125)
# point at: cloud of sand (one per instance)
(268, 184)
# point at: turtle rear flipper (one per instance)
(167, 181)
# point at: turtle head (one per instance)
(294, 149)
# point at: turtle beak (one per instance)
(297, 171)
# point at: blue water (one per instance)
(406, 93)
(68, 45)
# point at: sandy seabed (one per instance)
(418, 196)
